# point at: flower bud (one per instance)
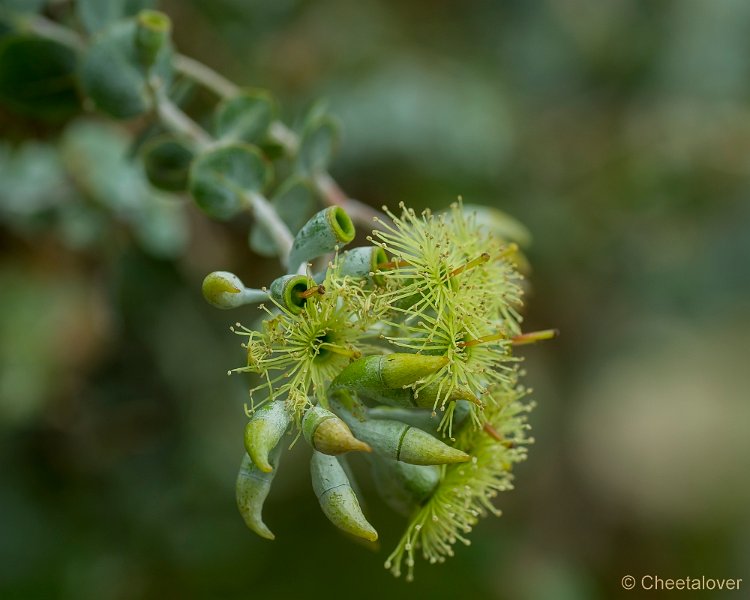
(152, 35)
(403, 486)
(252, 490)
(337, 498)
(382, 376)
(263, 432)
(225, 290)
(403, 442)
(324, 232)
(328, 434)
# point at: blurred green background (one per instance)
(618, 132)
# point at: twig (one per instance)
(328, 188)
(335, 196)
(276, 228)
(44, 27)
(205, 75)
(178, 122)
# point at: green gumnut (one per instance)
(221, 177)
(289, 291)
(245, 117)
(402, 486)
(252, 488)
(399, 441)
(167, 162)
(324, 232)
(337, 498)
(113, 74)
(264, 431)
(363, 263)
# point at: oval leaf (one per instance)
(246, 117)
(220, 177)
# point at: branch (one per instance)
(178, 122)
(269, 219)
(331, 192)
(206, 76)
(44, 27)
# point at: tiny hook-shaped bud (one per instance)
(263, 432)
(252, 488)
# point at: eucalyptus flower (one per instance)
(466, 490)
(298, 352)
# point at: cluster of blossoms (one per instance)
(401, 351)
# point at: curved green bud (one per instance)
(252, 490)
(324, 232)
(427, 396)
(382, 377)
(337, 498)
(403, 486)
(152, 35)
(403, 442)
(363, 262)
(263, 432)
(292, 291)
(328, 434)
(225, 290)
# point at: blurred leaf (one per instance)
(37, 77)
(246, 117)
(33, 179)
(22, 6)
(221, 176)
(112, 73)
(118, 183)
(317, 146)
(97, 14)
(167, 163)
(295, 202)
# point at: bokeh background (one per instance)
(618, 132)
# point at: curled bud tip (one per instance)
(263, 432)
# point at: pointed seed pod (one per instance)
(328, 434)
(363, 262)
(225, 290)
(381, 376)
(421, 418)
(426, 397)
(403, 486)
(337, 498)
(253, 486)
(403, 442)
(327, 229)
(292, 291)
(263, 432)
